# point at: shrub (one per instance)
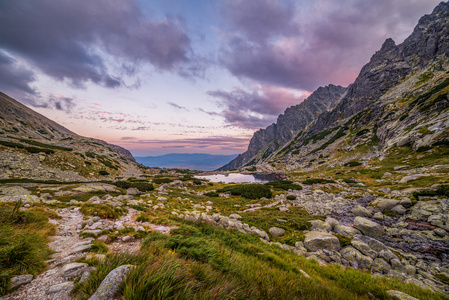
(344, 240)
(141, 186)
(310, 181)
(249, 191)
(99, 247)
(162, 180)
(349, 180)
(142, 218)
(91, 154)
(103, 172)
(353, 164)
(211, 194)
(442, 190)
(197, 182)
(291, 197)
(284, 185)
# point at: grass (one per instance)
(23, 242)
(310, 181)
(198, 261)
(284, 185)
(101, 210)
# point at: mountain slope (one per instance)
(35, 147)
(399, 98)
(296, 118)
(197, 161)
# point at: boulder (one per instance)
(380, 266)
(361, 211)
(112, 283)
(320, 225)
(385, 203)
(363, 247)
(398, 209)
(20, 280)
(406, 202)
(276, 231)
(368, 227)
(132, 191)
(316, 240)
(400, 295)
(347, 230)
(355, 258)
(235, 216)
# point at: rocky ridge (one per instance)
(402, 91)
(34, 147)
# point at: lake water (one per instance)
(239, 178)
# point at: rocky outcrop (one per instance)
(112, 283)
(288, 125)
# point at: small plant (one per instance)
(103, 172)
(211, 194)
(142, 218)
(101, 210)
(344, 240)
(352, 164)
(291, 197)
(284, 185)
(99, 247)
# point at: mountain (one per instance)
(197, 161)
(399, 98)
(35, 147)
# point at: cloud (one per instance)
(257, 107)
(92, 41)
(177, 106)
(329, 43)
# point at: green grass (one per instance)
(310, 181)
(23, 242)
(101, 210)
(198, 261)
(284, 185)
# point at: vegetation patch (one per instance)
(249, 191)
(101, 210)
(310, 181)
(442, 190)
(142, 186)
(284, 185)
(23, 242)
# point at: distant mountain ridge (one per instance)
(195, 161)
(399, 98)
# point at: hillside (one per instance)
(196, 161)
(399, 98)
(34, 147)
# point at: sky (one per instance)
(197, 76)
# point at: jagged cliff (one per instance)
(295, 119)
(35, 147)
(402, 90)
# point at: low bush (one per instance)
(211, 194)
(140, 185)
(310, 181)
(352, 164)
(162, 180)
(103, 172)
(291, 197)
(442, 190)
(249, 191)
(284, 185)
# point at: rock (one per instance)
(385, 190)
(400, 295)
(65, 286)
(412, 177)
(112, 283)
(347, 230)
(378, 216)
(380, 266)
(410, 270)
(406, 202)
(139, 228)
(126, 238)
(80, 248)
(103, 238)
(283, 209)
(397, 265)
(162, 199)
(15, 191)
(333, 223)
(176, 184)
(276, 231)
(304, 273)
(385, 203)
(401, 167)
(235, 216)
(440, 232)
(355, 258)
(363, 247)
(316, 240)
(368, 227)
(398, 209)
(361, 211)
(70, 271)
(320, 225)
(20, 280)
(133, 191)
(93, 232)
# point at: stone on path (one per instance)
(20, 280)
(400, 295)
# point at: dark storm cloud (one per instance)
(84, 41)
(331, 41)
(256, 108)
(15, 80)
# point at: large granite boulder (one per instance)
(112, 283)
(316, 240)
(368, 227)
